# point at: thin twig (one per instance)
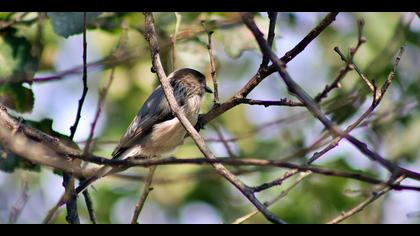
(173, 39)
(212, 60)
(360, 207)
(263, 73)
(283, 194)
(84, 79)
(239, 162)
(335, 84)
(282, 102)
(102, 96)
(207, 174)
(312, 106)
(147, 188)
(20, 203)
(68, 180)
(318, 98)
(349, 61)
(348, 67)
(224, 142)
(89, 206)
(271, 33)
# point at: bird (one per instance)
(155, 132)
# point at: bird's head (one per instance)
(191, 81)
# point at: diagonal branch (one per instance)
(263, 73)
(375, 102)
(351, 63)
(313, 107)
(360, 207)
(150, 35)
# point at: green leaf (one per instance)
(5, 15)
(16, 60)
(45, 126)
(9, 162)
(17, 97)
(70, 23)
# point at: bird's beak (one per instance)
(208, 89)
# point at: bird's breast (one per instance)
(168, 135)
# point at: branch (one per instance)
(200, 176)
(225, 143)
(270, 38)
(352, 51)
(84, 79)
(147, 188)
(20, 203)
(41, 154)
(282, 102)
(134, 161)
(173, 39)
(313, 107)
(212, 64)
(37, 152)
(265, 72)
(283, 194)
(157, 66)
(350, 62)
(375, 196)
(68, 180)
(89, 206)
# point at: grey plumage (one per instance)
(155, 131)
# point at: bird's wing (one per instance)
(154, 111)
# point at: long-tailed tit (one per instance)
(155, 131)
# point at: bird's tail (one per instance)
(99, 174)
(102, 172)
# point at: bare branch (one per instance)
(173, 39)
(353, 65)
(147, 188)
(212, 64)
(375, 196)
(89, 206)
(283, 194)
(225, 142)
(68, 180)
(282, 102)
(271, 33)
(352, 51)
(265, 72)
(313, 107)
(20, 203)
(238, 162)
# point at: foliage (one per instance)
(392, 130)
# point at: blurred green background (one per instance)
(43, 45)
